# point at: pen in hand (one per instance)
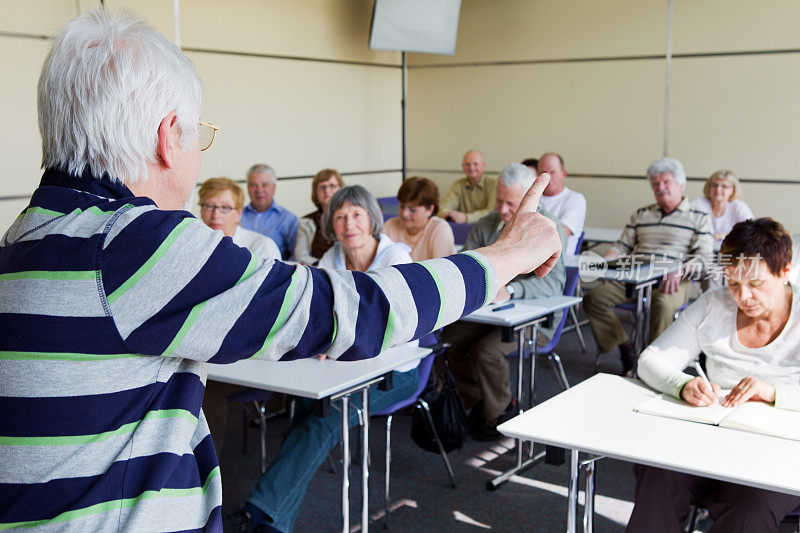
(702, 375)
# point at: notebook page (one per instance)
(667, 406)
(759, 417)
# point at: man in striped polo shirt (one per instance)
(666, 230)
(113, 299)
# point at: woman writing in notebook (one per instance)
(750, 333)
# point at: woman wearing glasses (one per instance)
(311, 242)
(221, 203)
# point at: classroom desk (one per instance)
(326, 381)
(596, 236)
(597, 417)
(639, 281)
(527, 313)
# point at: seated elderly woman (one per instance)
(221, 203)
(311, 242)
(750, 333)
(721, 200)
(354, 219)
(416, 224)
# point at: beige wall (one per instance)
(292, 84)
(580, 77)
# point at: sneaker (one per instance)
(627, 355)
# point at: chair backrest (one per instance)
(570, 285)
(579, 244)
(460, 231)
(424, 370)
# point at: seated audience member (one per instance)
(750, 334)
(354, 220)
(721, 200)
(311, 243)
(264, 215)
(477, 358)
(532, 163)
(668, 229)
(472, 197)
(416, 224)
(565, 204)
(221, 203)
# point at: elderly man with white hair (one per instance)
(668, 229)
(114, 299)
(264, 215)
(477, 358)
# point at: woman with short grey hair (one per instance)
(354, 220)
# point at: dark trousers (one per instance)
(663, 500)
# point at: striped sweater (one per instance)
(110, 309)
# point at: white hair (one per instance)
(667, 164)
(105, 86)
(516, 175)
(261, 168)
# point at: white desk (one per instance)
(320, 380)
(597, 417)
(595, 236)
(528, 312)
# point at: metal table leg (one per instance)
(588, 506)
(365, 462)
(572, 495)
(521, 466)
(345, 465)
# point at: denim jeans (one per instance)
(280, 491)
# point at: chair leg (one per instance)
(386, 499)
(597, 362)
(574, 317)
(422, 404)
(262, 413)
(558, 369)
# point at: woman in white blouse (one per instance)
(750, 333)
(721, 200)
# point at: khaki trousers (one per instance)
(477, 360)
(599, 304)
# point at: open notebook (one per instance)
(755, 417)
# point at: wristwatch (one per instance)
(510, 290)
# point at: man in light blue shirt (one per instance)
(264, 215)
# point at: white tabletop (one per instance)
(598, 235)
(592, 268)
(524, 310)
(597, 416)
(312, 378)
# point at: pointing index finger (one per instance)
(530, 202)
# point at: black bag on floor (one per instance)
(449, 418)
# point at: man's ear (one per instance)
(168, 134)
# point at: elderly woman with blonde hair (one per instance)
(721, 200)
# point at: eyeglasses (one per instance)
(210, 208)
(205, 134)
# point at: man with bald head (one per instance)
(567, 205)
(473, 196)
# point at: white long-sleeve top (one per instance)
(709, 326)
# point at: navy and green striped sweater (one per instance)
(110, 309)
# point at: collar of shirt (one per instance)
(103, 186)
(274, 208)
(481, 184)
(684, 206)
